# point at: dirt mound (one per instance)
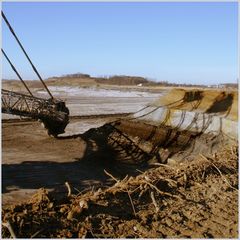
(185, 200)
(216, 101)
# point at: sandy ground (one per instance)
(29, 155)
(182, 200)
(31, 160)
(94, 101)
(127, 178)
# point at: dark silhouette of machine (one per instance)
(52, 112)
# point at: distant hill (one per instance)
(80, 78)
(123, 80)
(85, 80)
(119, 80)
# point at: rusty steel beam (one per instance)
(53, 113)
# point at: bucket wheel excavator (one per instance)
(52, 112)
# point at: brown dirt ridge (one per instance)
(185, 200)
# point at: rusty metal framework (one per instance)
(53, 113)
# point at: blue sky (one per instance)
(176, 42)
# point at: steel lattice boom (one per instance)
(53, 113)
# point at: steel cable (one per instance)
(15, 70)
(21, 46)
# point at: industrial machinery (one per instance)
(52, 112)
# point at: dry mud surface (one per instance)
(117, 191)
(118, 178)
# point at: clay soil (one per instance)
(109, 183)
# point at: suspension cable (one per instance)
(15, 70)
(34, 68)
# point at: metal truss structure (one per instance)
(53, 113)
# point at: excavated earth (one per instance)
(129, 178)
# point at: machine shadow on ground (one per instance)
(83, 173)
(111, 148)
